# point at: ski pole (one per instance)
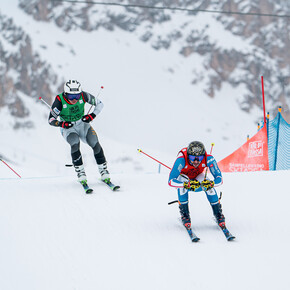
(140, 151)
(40, 98)
(96, 97)
(171, 202)
(212, 144)
(10, 168)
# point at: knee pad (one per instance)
(97, 149)
(75, 148)
(100, 157)
(77, 158)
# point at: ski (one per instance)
(194, 238)
(227, 233)
(86, 187)
(111, 185)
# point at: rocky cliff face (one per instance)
(270, 39)
(265, 51)
(22, 72)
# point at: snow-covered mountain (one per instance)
(232, 49)
(22, 72)
(194, 76)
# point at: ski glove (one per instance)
(207, 184)
(191, 185)
(88, 118)
(65, 125)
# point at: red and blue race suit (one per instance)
(183, 171)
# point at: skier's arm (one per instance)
(55, 110)
(215, 171)
(175, 172)
(90, 99)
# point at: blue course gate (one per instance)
(278, 143)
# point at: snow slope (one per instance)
(53, 236)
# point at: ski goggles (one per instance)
(193, 158)
(73, 96)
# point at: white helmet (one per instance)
(72, 87)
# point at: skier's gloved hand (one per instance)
(88, 118)
(207, 184)
(191, 185)
(65, 125)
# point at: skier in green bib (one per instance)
(68, 113)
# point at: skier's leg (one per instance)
(92, 140)
(216, 206)
(183, 207)
(74, 141)
(213, 199)
(183, 204)
(182, 195)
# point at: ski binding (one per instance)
(111, 185)
(86, 187)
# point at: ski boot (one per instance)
(185, 217)
(217, 211)
(105, 175)
(82, 178)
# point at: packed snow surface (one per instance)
(54, 236)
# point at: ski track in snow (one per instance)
(54, 236)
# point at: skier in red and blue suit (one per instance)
(187, 174)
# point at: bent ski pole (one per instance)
(96, 98)
(10, 168)
(171, 202)
(139, 150)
